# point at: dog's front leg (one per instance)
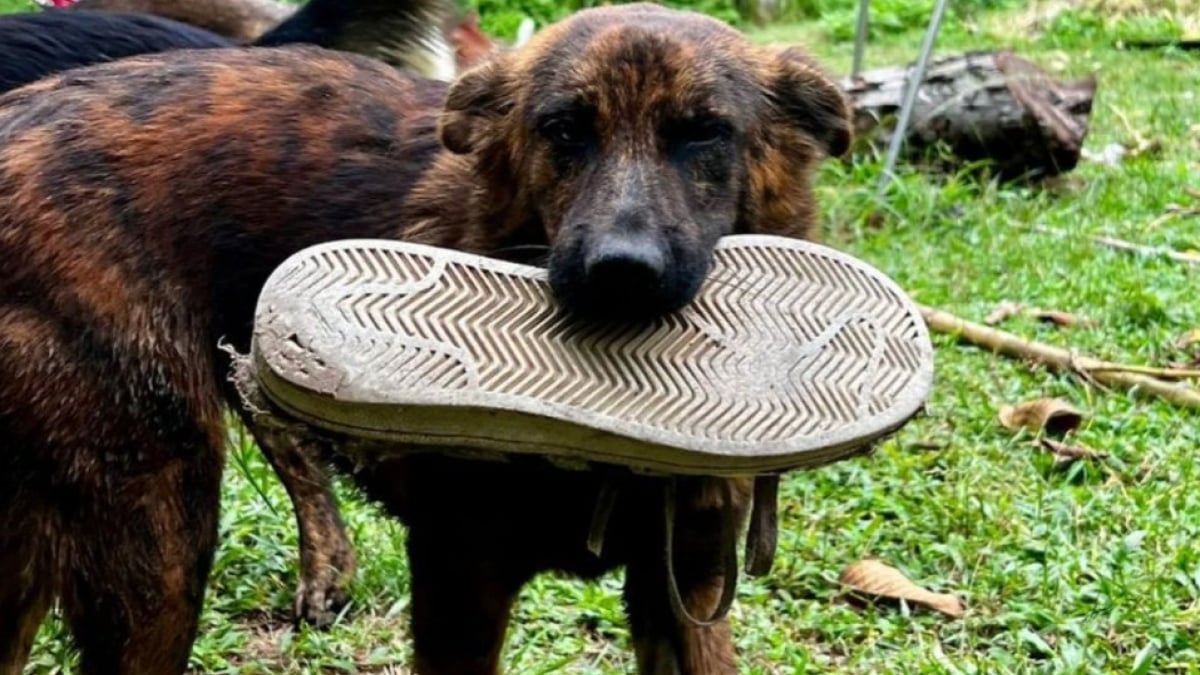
(326, 556)
(462, 596)
(665, 643)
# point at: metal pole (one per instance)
(860, 37)
(910, 95)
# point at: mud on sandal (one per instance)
(792, 356)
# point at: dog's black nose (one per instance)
(622, 276)
(624, 265)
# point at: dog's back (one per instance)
(37, 44)
(142, 204)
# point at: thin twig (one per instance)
(1122, 245)
(1165, 373)
(1056, 358)
(1064, 452)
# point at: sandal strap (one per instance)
(606, 500)
(728, 544)
(763, 536)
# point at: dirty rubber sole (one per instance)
(793, 355)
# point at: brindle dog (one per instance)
(144, 202)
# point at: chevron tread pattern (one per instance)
(781, 343)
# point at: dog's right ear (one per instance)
(476, 100)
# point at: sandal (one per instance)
(791, 356)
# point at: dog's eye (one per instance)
(566, 131)
(700, 131)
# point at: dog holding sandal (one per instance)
(619, 147)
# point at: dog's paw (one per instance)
(319, 603)
(322, 593)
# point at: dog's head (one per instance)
(636, 136)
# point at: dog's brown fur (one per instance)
(144, 202)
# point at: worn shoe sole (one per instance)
(793, 355)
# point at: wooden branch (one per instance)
(1105, 372)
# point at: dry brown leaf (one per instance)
(1189, 344)
(1069, 453)
(874, 577)
(1188, 339)
(1053, 415)
(1003, 311)
(1062, 319)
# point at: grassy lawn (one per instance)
(1092, 568)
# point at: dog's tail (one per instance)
(241, 20)
(404, 33)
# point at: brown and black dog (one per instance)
(144, 202)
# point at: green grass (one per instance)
(1088, 569)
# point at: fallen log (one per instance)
(993, 107)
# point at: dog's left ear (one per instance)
(477, 98)
(801, 93)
